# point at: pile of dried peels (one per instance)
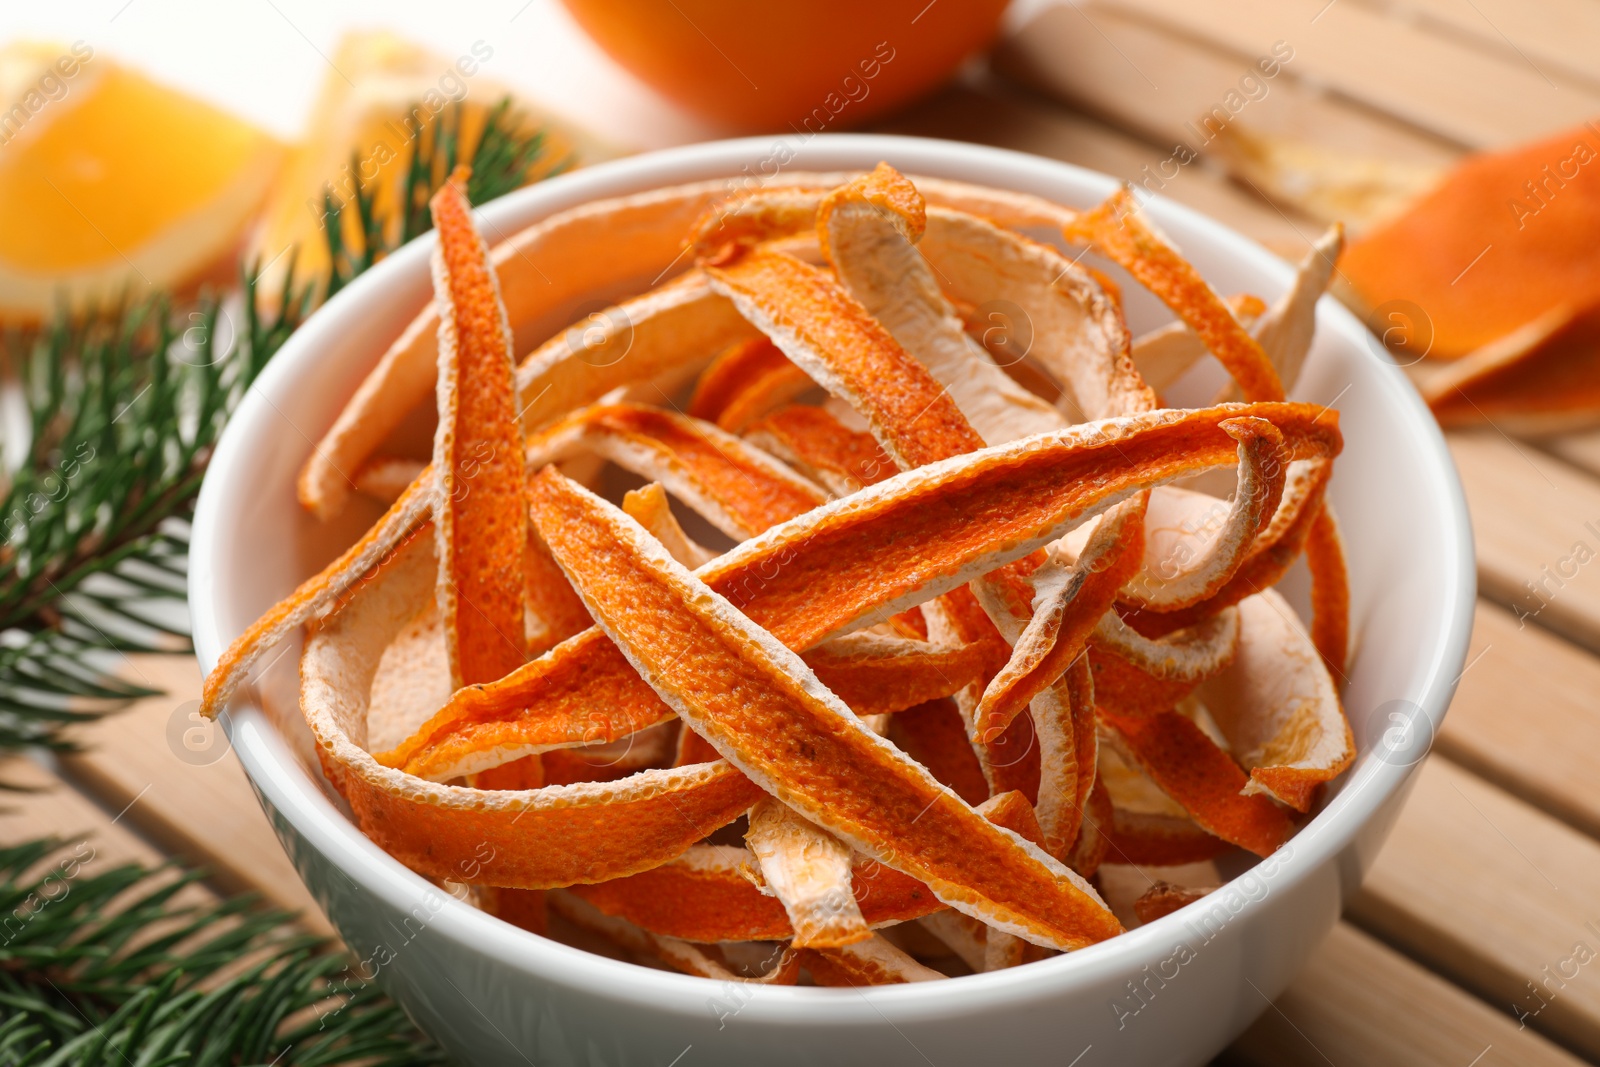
(972, 646)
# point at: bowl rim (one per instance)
(283, 784)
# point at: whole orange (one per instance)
(807, 65)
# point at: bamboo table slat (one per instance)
(1460, 948)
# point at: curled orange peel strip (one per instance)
(480, 524)
(1115, 564)
(1189, 767)
(1155, 840)
(680, 955)
(319, 594)
(736, 487)
(1278, 706)
(1188, 656)
(1065, 620)
(582, 703)
(868, 229)
(1263, 470)
(830, 336)
(1275, 551)
(745, 382)
(1163, 899)
(844, 348)
(1118, 231)
(818, 445)
(763, 710)
(648, 507)
(1054, 308)
(874, 962)
(1093, 845)
(707, 893)
(899, 543)
(1064, 724)
(1330, 590)
(808, 870)
(438, 830)
(934, 735)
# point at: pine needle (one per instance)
(130, 966)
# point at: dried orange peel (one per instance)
(765, 712)
(969, 643)
(479, 523)
(746, 382)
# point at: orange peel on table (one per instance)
(971, 641)
(1479, 256)
(1542, 378)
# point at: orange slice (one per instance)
(480, 524)
(808, 870)
(1278, 707)
(761, 708)
(111, 183)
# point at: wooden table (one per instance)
(1490, 883)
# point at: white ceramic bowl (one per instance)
(494, 994)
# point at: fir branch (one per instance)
(503, 158)
(124, 406)
(122, 966)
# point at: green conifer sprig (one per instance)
(106, 968)
(122, 407)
